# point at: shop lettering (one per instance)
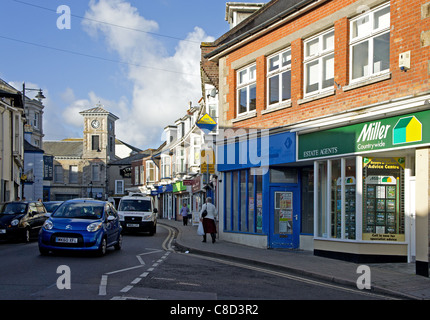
(373, 131)
(320, 152)
(371, 146)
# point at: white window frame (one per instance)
(318, 58)
(278, 72)
(368, 34)
(245, 83)
(165, 166)
(150, 166)
(119, 186)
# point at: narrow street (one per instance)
(145, 270)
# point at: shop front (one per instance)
(364, 187)
(260, 190)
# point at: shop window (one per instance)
(246, 90)
(383, 199)
(279, 78)
(337, 198)
(243, 202)
(319, 63)
(370, 43)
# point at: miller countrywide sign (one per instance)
(383, 134)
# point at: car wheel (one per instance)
(103, 247)
(118, 245)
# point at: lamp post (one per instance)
(39, 97)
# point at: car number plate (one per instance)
(66, 240)
(133, 225)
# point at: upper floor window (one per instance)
(319, 62)
(95, 142)
(247, 89)
(73, 174)
(165, 167)
(150, 171)
(279, 78)
(370, 43)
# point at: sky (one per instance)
(138, 58)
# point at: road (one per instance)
(147, 269)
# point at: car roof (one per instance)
(136, 198)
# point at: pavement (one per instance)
(395, 279)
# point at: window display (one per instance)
(383, 199)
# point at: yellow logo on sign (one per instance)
(206, 119)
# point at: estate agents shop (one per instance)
(261, 191)
(364, 187)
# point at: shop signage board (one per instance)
(206, 123)
(383, 134)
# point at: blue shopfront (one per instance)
(261, 190)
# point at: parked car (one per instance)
(81, 225)
(51, 206)
(137, 213)
(21, 219)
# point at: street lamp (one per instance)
(39, 95)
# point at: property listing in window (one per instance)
(383, 199)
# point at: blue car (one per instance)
(81, 225)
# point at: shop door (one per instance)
(284, 217)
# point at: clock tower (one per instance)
(98, 147)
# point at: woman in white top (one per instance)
(208, 219)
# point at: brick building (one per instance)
(324, 106)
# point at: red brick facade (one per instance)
(410, 21)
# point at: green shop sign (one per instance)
(389, 133)
(179, 186)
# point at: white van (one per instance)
(137, 213)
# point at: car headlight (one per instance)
(93, 227)
(147, 217)
(121, 217)
(14, 222)
(48, 225)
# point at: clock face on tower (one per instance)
(95, 124)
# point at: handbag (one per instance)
(200, 230)
(204, 213)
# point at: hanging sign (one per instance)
(206, 123)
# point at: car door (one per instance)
(112, 223)
(32, 217)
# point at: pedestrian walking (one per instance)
(207, 216)
(184, 213)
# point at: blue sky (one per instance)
(145, 76)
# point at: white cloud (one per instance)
(163, 85)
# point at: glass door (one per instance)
(284, 217)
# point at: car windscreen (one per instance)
(50, 207)
(13, 208)
(135, 205)
(79, 211)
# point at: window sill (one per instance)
(247, 116)
(367, 81)
(321, 95)
(281, 106)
